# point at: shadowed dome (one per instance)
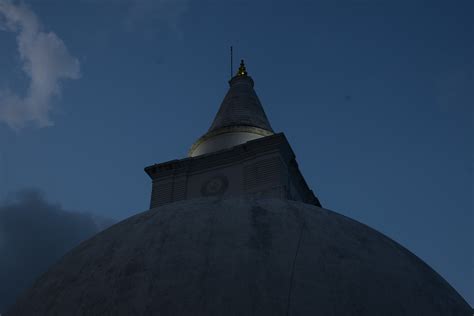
(240, 257)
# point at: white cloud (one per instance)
(45, 60)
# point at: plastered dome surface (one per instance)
(240, 257)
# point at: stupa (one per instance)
(234, 229)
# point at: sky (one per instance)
(376, 98)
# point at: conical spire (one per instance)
(239, 113)
(241, 106)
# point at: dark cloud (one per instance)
(34, 233)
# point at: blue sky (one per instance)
(375, 97)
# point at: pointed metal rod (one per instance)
(231, 60)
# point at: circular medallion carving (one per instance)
(216, 185)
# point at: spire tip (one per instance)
(242, 71)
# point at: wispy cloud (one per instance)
(45, 60)
(158, 14)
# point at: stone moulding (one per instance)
(229, 129)
(272, 165)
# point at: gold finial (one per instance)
(242, 71)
